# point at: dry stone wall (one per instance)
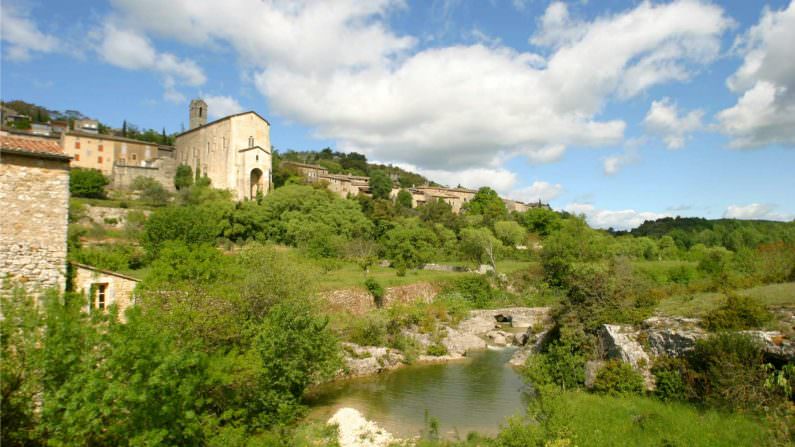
(34, 197)
(359, 301)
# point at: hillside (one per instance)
(732, 233)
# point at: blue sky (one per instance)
(620, 110)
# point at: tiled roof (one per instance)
(33, 146)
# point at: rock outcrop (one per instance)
(621, 342)
(353, 430)
(672, 336)
(366, 360)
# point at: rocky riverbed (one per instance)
(514, 326)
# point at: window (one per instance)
(101, 149)
(100, 293)
(99, 159)
(250, 141)
(77, 145)
(200, 112)
(77, 157)
(257, 157)
(134, 157)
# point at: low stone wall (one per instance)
(359, 300)
(104, 215)
(162, 170)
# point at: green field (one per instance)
(697, 304)
(598, 420)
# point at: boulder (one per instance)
(459, 343)
(775, 345)
(621, 342)
(499, 338)
(366, 360)
(519, 358)
(353, 430)
(518, 317)
(592, 368)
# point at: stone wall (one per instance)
(120, 288)
(162, 170)
(104, 215)
(34, 197)
(359, 301)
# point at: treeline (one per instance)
(733, 234)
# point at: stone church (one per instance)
(234, 152)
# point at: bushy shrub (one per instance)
(736, 313)
(376, 290)
(475, 289)
(88, 183)
(669, 374)
(370, 331)
(189, 224)
(562, 364)
(618, 378)
(151, 191)
(436, 349)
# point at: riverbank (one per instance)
(481, 329)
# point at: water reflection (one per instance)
(474, 395)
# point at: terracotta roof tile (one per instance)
(31, 145)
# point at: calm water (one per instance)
(472, 395)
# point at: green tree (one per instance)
(88, 183)
(542, 221)
(184, 177)
(404, 198)
(151, 191)
(510, 232)
(380, 184)
(409, 245)
(486, 203)
(189, 224)
(480, 246)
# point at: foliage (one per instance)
(737, 312)
(561, 364)
(152, 192)
(380, 184)
(669, 376)
(87, 183)
(480, 245)
(180, 262)
(183, 177)
(404, 199)
(510, 232)
(116, 257)
(376, 290)
(475, 289)
(408, 244)
(488, 204)
(618, 378)
(191, 224)
(542, 221)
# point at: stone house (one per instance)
(234, 152)
(34, 197)
(310, 172)
(104, 288)
(103, 152)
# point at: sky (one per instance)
(619, 110)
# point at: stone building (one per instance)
(102, 152)
(34, 198)
(104, 288)
(311, 172)
(234, 152)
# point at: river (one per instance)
(476, 394)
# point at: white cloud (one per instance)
(663, 119)
(128, 48)
(620, 220)
(755, 211)
(455, 108)
(22, 36)
(765, 110)
(220, 106)
(539, 190)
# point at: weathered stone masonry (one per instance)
(34, 199)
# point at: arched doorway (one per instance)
(256, 183)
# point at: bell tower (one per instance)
(198, 113)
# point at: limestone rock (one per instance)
(775, 344)
(498, 338)
(356, 431)
(459, 343)
(366, 360)
(621, 342)
(592, 368)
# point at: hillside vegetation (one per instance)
(230, 328)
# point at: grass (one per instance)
(350, 275)
(598, 420)
(698, 304)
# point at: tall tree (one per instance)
(380, 185)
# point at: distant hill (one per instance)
(688, 231)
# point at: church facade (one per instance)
(234, 152)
